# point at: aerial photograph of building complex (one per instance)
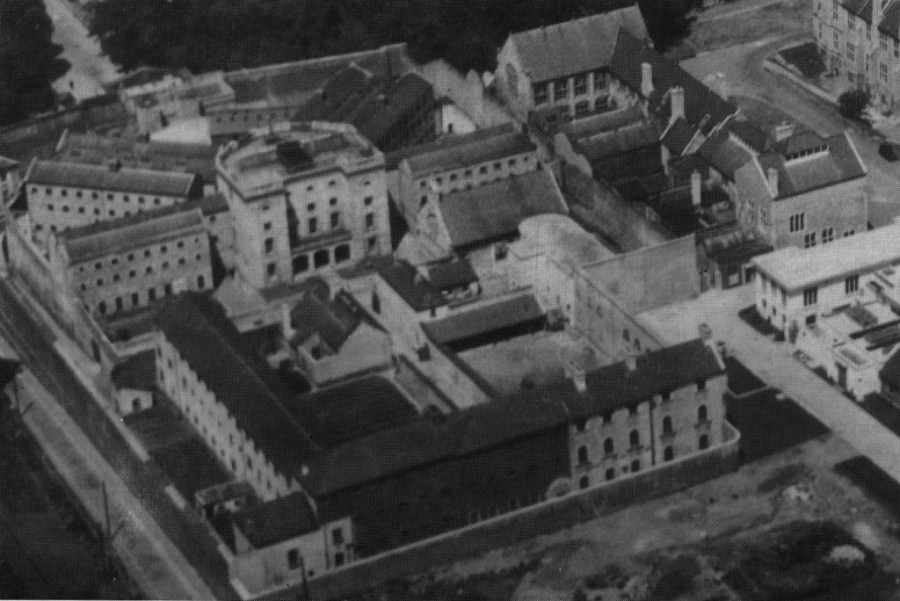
(471, 300)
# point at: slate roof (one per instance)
(277, 520)
(752, 135)
(577, 46)
(724, 154)
(406, 281)
(196, 325)
(137, 371)
(839, 164)
(890, 371)
(890, 23)
(115, 236)
(469, 150)
(678, 135)
(370, 103)
(615, 386)
(613, 143)
(482, 320)
(446, 276)
(333, 320)
(433, 438)
(495, 210)
(126, 179)
(703, 108)
(338, 414)
(392, 159)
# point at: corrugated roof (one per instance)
(115, 236)
(240, 379)
(126, 179)
(495, 210)
(482, 320)
(577, 46)
(469, 151)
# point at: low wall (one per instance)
(536, 520)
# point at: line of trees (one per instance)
(205, 35)
(29, 60)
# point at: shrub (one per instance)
(853, 102)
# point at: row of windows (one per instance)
(561, 87)
(320, 258)
(148, 253)
(467, 173)
(64, 193)
(119, 302)
(116, 277)
(668, 455)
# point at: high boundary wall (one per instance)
(536, 520)
(467, 92)
(599, 209)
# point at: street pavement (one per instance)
(90, 67)
(775, 364)
(90, 428)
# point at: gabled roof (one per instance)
(610, 120)
(334, 321)
(890, 372)
(615, 386)
(703, 108)
(196, 325)
(277, 520)
(392, 159)
(407, 282)
(115, 236)
(724, 154)
(137, 371)
(678, 135)
(752, 135)
(468, 150)
(619, 141)
(577, 46)
(890, 22)
(482, 320)
(838, 164)
(495, 210)
(126, 179)
(446, 276)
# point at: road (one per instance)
(90, 68)
(742, 74)
(775, 364)
(96, 443)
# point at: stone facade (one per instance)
(306, 219)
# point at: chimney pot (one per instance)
(677, 100)
(646, 79)
(773, 181)
(696, 188)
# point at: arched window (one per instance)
(320, 258)
(584, 482)
(634, 439)
(582, 455)
(608, 447)
(704, 442)
(636, 466)
(702, 414)
(668, 454)
(667, 424)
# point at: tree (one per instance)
(853, 102)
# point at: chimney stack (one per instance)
(646, 79)
(773, 181)
(696, 188)
(286, 329)
(783, 131)
(677, 99)
(630, 362)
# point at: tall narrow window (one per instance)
(634, 439)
